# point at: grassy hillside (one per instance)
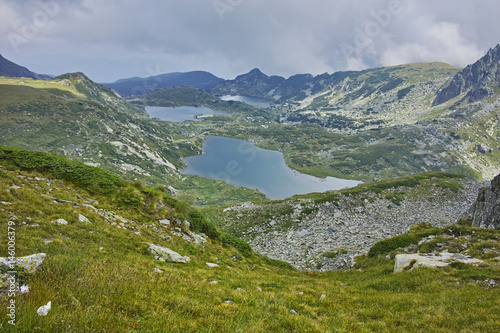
(99, 276)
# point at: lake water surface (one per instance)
(241, 163)
(181, 113)
(254, 101)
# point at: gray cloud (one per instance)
(120, 38)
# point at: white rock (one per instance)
(240, 289)
(213, 282)
(164, 222)
(164, 254)
(292, 311)
(44, 309)
(403, 261)
(30, 263)
(61, 222)
(83, 219)
(158, 270)
(24, 289)
(323, 296)
(209, 264)
(259, 289)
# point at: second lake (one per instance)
(241, 163)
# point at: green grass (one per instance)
(101, 278)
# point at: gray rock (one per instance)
(209, 264)
(185, 226)
(484, 149)
(83, 219)
(29, 263)
(410, 261)
(60, 222)
(164, 222)
(164, 254)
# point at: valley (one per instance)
(235, 214)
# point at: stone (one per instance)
(61, 222)
(164, 254)
(292, 311)
(443, 259)
(83, 219)
(29, 263)
(158, 270)
(213, 282)
(164, 222)
(323, 296)
(44, 309)
(209, 264)
(185, 226)
(484, 149)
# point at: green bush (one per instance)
(277, 263)
(387, 245)
(237, 243)
(94, 180)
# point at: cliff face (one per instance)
(477, 79)
(485, 212)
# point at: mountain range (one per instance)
(10, 69)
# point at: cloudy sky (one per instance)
(112, 39)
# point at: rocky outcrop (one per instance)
(409, 261)
(485, 212)
(29, 263)
(476, 79)
(164, 254)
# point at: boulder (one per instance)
(83, 219)
(410, 261)
(29, 263)
(164, 254)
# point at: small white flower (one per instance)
(24, 289)
(44, 309)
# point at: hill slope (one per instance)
(99, 274)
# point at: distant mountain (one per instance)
(478, 80)
(10, 69)
(253, 83)
(138, 86)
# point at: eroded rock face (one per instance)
(485, 212)
(476, 79)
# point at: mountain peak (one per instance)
(10, 69)
(254, 74)
(475, 79)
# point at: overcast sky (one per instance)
(113, 39)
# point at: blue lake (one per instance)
(254, 101)
(241, 163)
(181, 113)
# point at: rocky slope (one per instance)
(327, 231)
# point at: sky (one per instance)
(114, 39)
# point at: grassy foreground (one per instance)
(100, 277)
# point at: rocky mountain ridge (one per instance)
(10, 69)
(477, 81)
